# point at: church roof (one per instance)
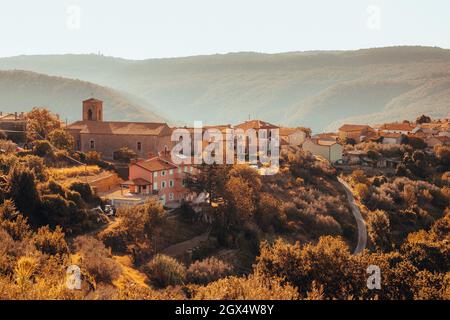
(121, 128)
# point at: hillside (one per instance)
(23, 90)
(320, 89)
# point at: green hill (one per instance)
(320, 89)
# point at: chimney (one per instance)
(1, 113)
(15, 115)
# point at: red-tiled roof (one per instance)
(92, 100)
(122, 128)
(136, 182)
(288, 131)
(391, 135)
(256, 124)
(353, 127)
(397, 126)
(155, 164)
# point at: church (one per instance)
(106, 137)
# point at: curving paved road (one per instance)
(362, 230)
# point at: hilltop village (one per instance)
(108, 197)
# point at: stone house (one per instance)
(106, 137)
(356, 132)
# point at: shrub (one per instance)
(208, 270)
(254, 287)
(165, 271)
(124, 155)
(61, 139)
(13, 222)
(97, 259)
(49, 242)
(42, 148)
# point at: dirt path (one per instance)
(181, 248)
(362, 230)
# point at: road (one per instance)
(362, 230)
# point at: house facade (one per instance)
(330, 150)
(292, 136)
(14, 126)
(158, 176)
(106, 137)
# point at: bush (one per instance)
(97, 259)
(49, 242)
(124, 155)
(42, 148)
(254, 287)
(61, 139)
(165, 271)
(208, 270)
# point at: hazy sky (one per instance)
(167, 28)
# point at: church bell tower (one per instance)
(92, 110)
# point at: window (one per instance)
(171, 171)
(171, 183)
(155, 185)
(139, 146)
(92, 144)
(185, 169)
(171, 196)
(179, 169)
(163, 173)
(191, 169)
(163, 184)
(155, 174)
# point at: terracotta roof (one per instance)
(326, 142)
(288, 131)
(391, 135)
(320, 142)
(155, 164)
(136, 182)
(326, 136)
(125, 128)
(92, 100)
(222, 128)
(12, 117)
(255, 124)
(397, 126)
(353, 127)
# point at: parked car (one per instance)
(109, 210)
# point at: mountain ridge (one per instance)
(319, 89)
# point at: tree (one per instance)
(61, 139)
(415, 142)
(42, 148)
(379, 229)
(124, 155)
(210, 179)
(423, 119)
(22, 190)
(40, 122)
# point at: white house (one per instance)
(330, 150)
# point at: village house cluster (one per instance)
(154, 173)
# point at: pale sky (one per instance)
(140, 29)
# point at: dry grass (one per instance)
(71, 172)
(129, 273)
